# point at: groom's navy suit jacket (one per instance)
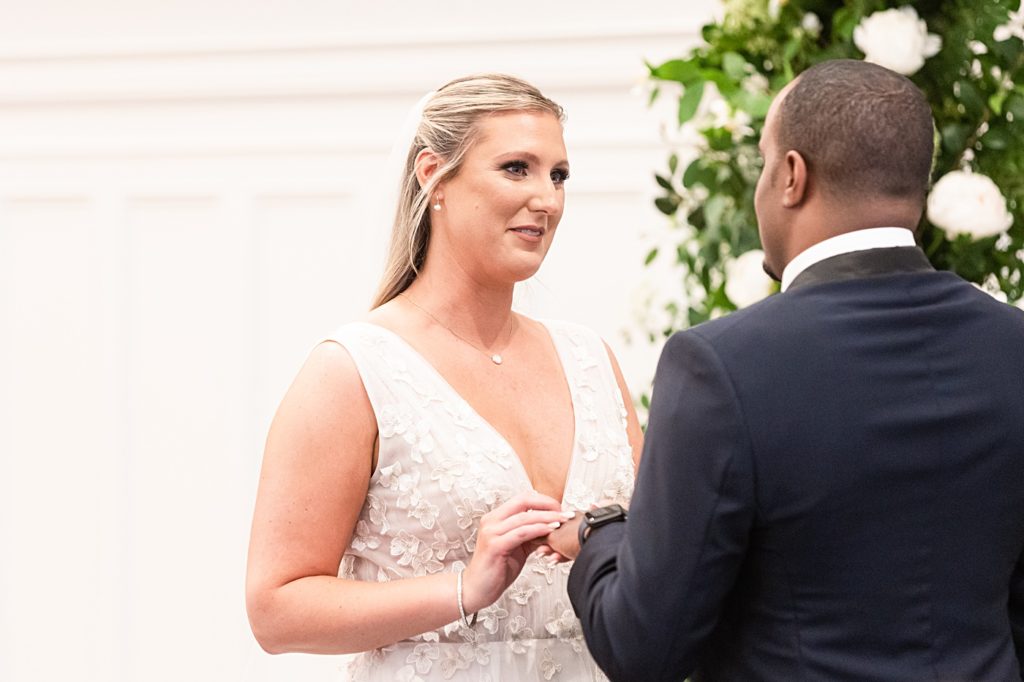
(832, 488)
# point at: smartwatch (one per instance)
(602, 516)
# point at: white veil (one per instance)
(379, 210)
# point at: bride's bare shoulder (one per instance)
(392, 316)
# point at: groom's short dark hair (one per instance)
(863, 130)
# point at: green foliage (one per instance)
(975, 85)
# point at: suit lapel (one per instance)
(867, 263)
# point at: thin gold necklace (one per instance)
(493, 357)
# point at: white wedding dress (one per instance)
(440, 468)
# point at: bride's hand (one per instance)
(504, 540)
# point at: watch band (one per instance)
(602, 516)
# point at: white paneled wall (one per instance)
(188, 201)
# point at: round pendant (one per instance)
(496, 359)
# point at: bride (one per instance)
(422, 454)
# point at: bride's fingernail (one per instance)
(568, 514)
(555, 524)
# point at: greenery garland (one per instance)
(967, 56)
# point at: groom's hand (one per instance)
(565, 540)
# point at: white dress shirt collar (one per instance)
(859, 240)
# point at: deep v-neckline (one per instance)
(446, 385)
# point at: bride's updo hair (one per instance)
(448, 128)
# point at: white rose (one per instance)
(896, 39)
(745, 279)
(968, 203)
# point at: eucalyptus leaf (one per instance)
(754, 103)
(844, 21)
(995, 102)
(1007, 51)
(683, 256)
(734, 65)
(667, 205)
(970, 97)
(679, 70)
(698, 316)
(719, 139)
(996, 139)
(1015, 106)
(954, 137)
(690, 101)
(699, 174)
(715, 208)
(726, 85)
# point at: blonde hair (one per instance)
(448, 128)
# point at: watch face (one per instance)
(595, 518)
(602, 514)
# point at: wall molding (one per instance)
(186, 47)
(568, 60)
(14, 150)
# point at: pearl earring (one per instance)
(437, 204)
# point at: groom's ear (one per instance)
(427, 163)
(795, 189)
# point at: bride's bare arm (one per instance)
(315, 475)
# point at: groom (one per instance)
(832, 486)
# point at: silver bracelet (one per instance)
(462, 609)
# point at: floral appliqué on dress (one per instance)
(440, 468)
